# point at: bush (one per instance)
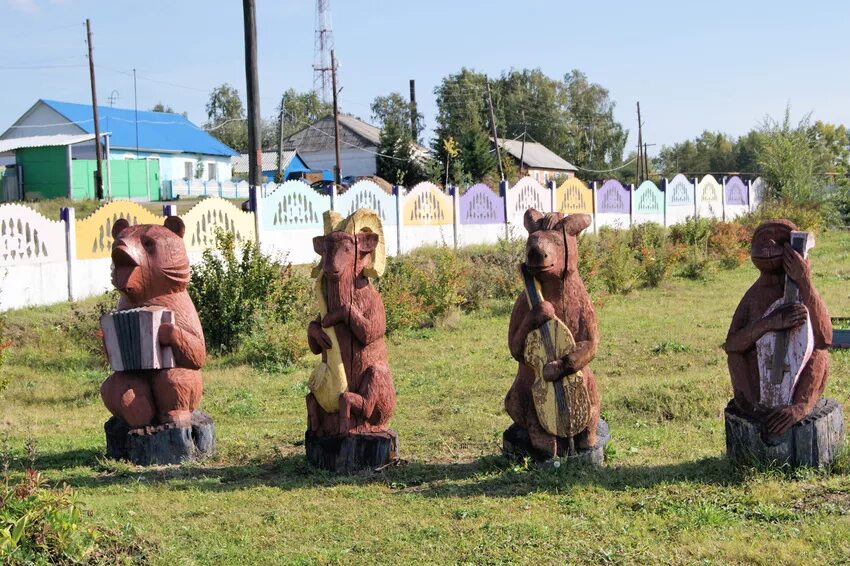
(273, 346)
(729, 242)
(619, 268)
(39, 525)
(231, 288)
(83, 326)
(648, 235)
(404, 307)
(807, 215)
(492, 272)
(693, 232)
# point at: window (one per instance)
(213, 171)
(188, 170)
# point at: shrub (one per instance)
(492, 272)
(693, 232)
(729, 242)
(656, 263)
(273, 346)
(231, 288)
(590, 262)
(647, 235)
(404, 307)
(619, 268)
(807, 215)
(83, 326)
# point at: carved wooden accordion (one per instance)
(131, 339)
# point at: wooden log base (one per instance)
(815, 441)
(160, 445)
(346, 454)
(516, 445)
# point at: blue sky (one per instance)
(719, 65)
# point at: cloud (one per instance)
(24, 6)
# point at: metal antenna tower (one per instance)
(324, 46)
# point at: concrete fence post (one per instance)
(67, 215)
(503, 192)
(595, 213)
(631, 188)
(454, 192)
(397, 194)
(169, 210)
(663, 182)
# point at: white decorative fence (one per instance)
(44, 261)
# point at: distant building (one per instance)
(177, 148)
(292, 164)
(358, 145)
(537, 161)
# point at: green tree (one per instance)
(790, 159)
(395, 109)
(226, 117)
(397, 160)
(301, 109)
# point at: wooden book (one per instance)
(131, 339)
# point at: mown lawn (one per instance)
(667, 494)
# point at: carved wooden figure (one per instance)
(151, 269)
(782, 320)
(554, 396)
(352, 396)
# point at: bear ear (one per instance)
(367, 242)
(531, 220)
(575, 223)
(120, 225)
(319, 244)
(175, 224)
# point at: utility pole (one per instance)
(522, 151)
(337, 168)
(493, 127)
(413, 133)
(640, 147)
(98, 176)
(255, 154)
(279, 177)
(136, 108)
(645, 161)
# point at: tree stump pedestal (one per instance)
(163, 444)
(815, 441)
(517, 445)
(349, 453)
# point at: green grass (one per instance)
(667, 494)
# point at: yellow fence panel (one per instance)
(574, 197)
(94, 233)
(427, 205)
(211, 213)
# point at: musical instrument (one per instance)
(131, 339)
(783, 354)
(328, 380)
(563, 406)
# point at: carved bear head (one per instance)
(149, 260)
(551, 249)
(344, 255)
(768, 244)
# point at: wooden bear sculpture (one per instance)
(562, 303)
(352, 396)
(765, 313)
(151, 269)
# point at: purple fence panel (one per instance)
(736, 192)
(612, 198)
(480, 205)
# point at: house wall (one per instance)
(353, 161)
(542, 176)
(130, 179)
(49, 121)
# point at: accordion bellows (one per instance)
(131, 339)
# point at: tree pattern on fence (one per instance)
(736, 192)
(613, 198)
(211, 214)
(648, 199)
(679, 192)
(293, 204)
(527, 193)
(94, 233)
(367, 194)
(481, 205)
(574, 197)
(27, 237)
(709, 197)
(427, 205)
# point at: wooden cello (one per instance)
(563, 406)
(783, 354)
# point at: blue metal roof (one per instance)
(158, 131)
